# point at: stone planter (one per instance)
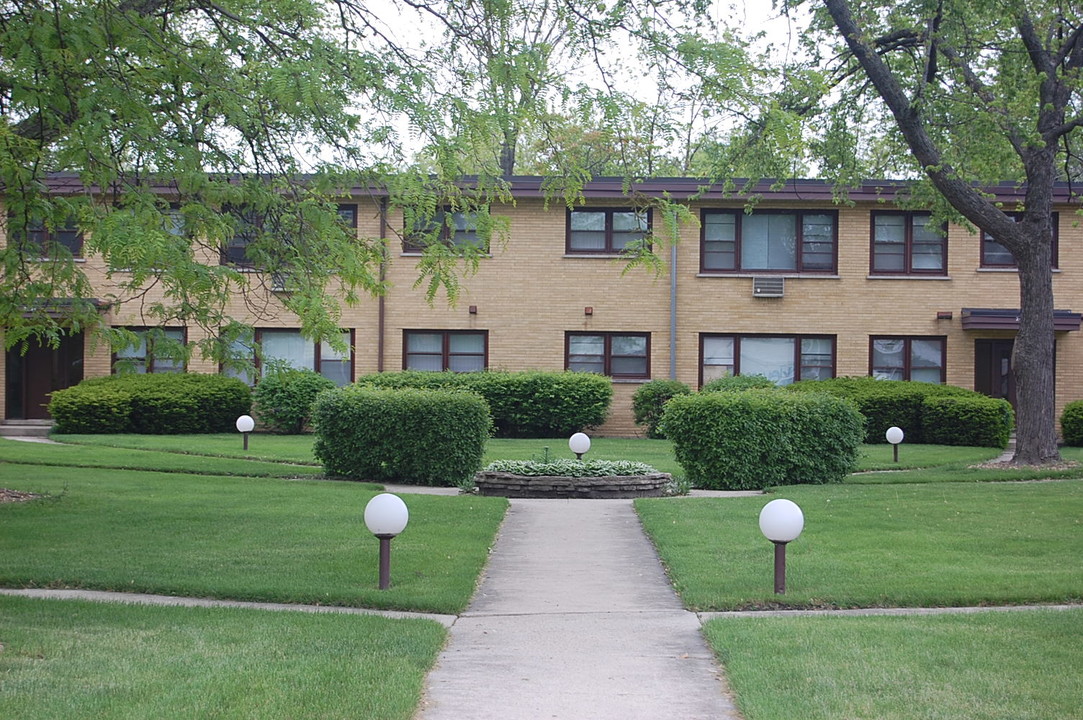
(503, 484)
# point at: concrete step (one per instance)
(26, 428)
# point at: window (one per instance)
(995, 255)
(907, 358)
(606, 231)
(774, 241)
(436, 350)
(150, 353)
(781, 358)
(452, 228)
(250, 225)
(38, 238)
(290, 348)
(618, 355)
(906, 243)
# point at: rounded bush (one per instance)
(737, 383)
(1071, 423)
(151, 404)
(650, 399)
(975, 421)
(407, 436)
(755, 439)
(284, 398)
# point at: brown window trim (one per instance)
(1054, 251)
(609, 232)
(907, 353)
(411, 246)
(149, 361)
(797, 338)
(257, 362)
(607, 356)
(739, 215)
(908, 245)
(445, 351)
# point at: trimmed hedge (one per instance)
(284, 397)
(1071, 423)
(649, 401)
(975, 421)
(531, 404)
(885, 403)
(405, 435)
(759, 438)
(737, 383)
(164, 404)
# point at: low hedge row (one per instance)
(405, 435)
(759, 438)
(531, 404)
(164, 404)
(284, 398)
(1071, 423)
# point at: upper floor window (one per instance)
(290, 348)
(150, 352)
(44, 240)
(437, 350)
(619, 355)
(250, 225)
(908, 358)
(449, 227)
(781, 358)
(995, 255)
(606, 231)
(908, 243)
(775, 241)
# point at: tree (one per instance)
(978, 91)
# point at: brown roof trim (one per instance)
(1005, 319)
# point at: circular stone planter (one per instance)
(503, 484)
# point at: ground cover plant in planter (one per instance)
(572, 478)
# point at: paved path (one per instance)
(575, 619)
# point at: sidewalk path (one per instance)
(575, 619)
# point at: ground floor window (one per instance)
(619, 355)
(152, 350)
(908, 358)
(266, 347)
(781, 358)
(437, 350)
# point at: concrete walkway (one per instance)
(575, 619)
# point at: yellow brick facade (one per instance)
(530, 292)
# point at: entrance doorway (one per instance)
(31, 377)
(993, 369)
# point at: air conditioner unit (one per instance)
(768, 287)
(282, 282)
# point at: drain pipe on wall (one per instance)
(381, 311)
(673, 310)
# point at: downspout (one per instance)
(381, 313)
(673, 310)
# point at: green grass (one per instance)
(70, 659)
(892, 545)
(275, 448)
(266, 539)
(984, 666)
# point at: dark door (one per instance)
(993, 369)
(32, 376)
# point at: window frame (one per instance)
(908, 354)
(258, 361)
(607, 352)
(740, 217)
(37, 235)
(445, 348)
(1013, 265)
(410, 246)
(796, 337)
(149, 361)
(609, 231)
(908, 244)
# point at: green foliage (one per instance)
(974, 421)
(759, 438)
(165, 404)
(737, 383)
(523, 404)
(406, 435)
(649, 400)
(284, 397)
(1071, 423)
(571, 468)
(886, 403)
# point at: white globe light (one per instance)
(781, 521)
(245, 423)
(386, 514)
(894, 435)
(579, 443)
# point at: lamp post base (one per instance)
(780, 568)
(385, 561)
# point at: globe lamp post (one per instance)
(894, 436)
(245, 425)
(579, 444)
(386, 516)
(781, 522)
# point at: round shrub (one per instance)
(755, 439)
(736, 383)
(91, 409)
(284, 398)
(407, 436)
(649, 399)
(1071, 423)
(975, 421)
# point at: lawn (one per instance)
(70, 659)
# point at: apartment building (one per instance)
(800, 287)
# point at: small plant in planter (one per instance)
(572, 478)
